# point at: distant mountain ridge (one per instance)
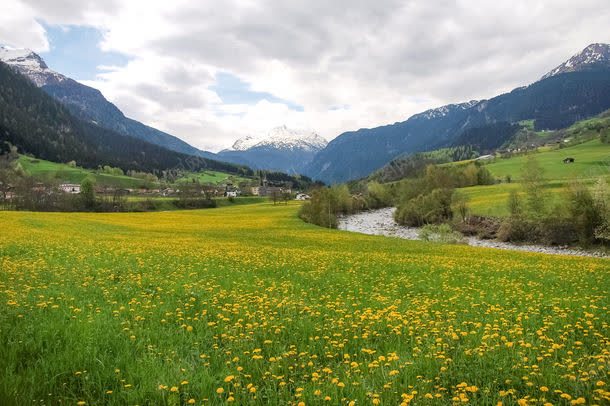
(282, 149)
(562, 97)
(37, 124)
(88, 103)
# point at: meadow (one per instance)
(249, 305)
(45, 171)
(592, 161)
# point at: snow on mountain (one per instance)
(595, 55)
(245, 143)
(444, 110)
(282, 138)
(30, 64)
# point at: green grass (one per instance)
(493, 200)
(162, 308)
(50, 171)
(592, 159)
(213, 177)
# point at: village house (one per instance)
(271, 190)
(302, 196)
(72, 188)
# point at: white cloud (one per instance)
(380, 61)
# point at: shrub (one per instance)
(442, 233)
(518, 229)
(432, 208)
(585, 215)
(377, 196)
(326, 203)
(483, 227)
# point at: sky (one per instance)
(213, 71)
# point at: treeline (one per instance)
(488, 138)
(37, 124)
(18, 191)
(327, 203)
(300, 182)
(431, 197)
(580, 215)
(424, 199)
(412, 166)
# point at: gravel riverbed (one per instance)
(381, 222)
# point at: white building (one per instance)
(302, 196)
(70, 188)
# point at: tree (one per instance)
(87, 194)
(585, 214)
(515, 207)
(532, 176)
(8, 173)
(286, 196)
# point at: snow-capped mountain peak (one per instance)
(30, 64)
(282, 138)
(593, 56)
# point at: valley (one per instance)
(228, 253)
(251, 305)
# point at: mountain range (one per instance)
(38, 124)
(577, 89)
(89, 104)
(282, 149)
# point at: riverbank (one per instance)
(381, 222)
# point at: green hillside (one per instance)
(46, 171)
(213, 177)
(592, 161)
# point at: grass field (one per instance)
(213, 177)
(492, 200)
(592, 161)
(46, 170)
(250, 305)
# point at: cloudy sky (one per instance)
(212, 71)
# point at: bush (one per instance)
(518, 229)
(557, 231)
(585, 214)
(377, 196)
(432, 208)
(482, 227)
(442, 233)
(326, 204)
